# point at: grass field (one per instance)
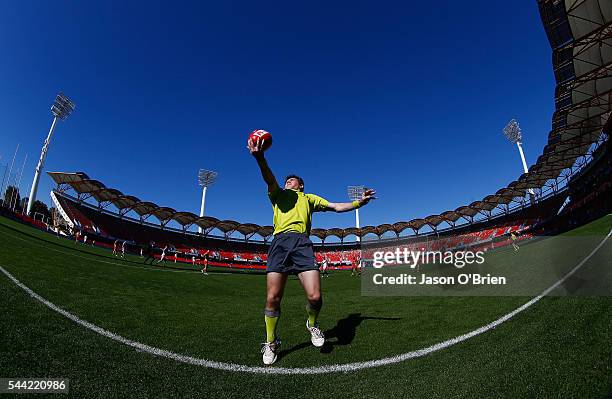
(558, 347)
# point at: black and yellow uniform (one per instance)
(291, 249)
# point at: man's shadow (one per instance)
(343, 333)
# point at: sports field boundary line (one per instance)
(335, 368)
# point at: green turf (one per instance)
(559, 347)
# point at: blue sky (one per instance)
(407, 98)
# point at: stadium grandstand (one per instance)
(559, 191)
(569, 178)
(569, 184)
(112, 326)
(486, 223)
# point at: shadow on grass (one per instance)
(343, 333)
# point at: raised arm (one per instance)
(255, 148)
(349, 206)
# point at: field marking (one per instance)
(335, 368)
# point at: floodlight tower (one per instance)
(18, 185)
(10, 170)
(206, 178)
(512, 131)
(355, 193)
(62, 107)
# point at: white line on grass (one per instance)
(347, 367)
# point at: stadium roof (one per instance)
(164, 214)
(144, 208)
(106, 194)
(185, 218)
(125, 202)
(207, 222)
(66, 178)
(580, 34)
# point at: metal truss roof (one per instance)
(580, 34)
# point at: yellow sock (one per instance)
(271, 318)
(313, 312)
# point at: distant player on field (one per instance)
(324, 266)
(150, 252)
(354, 269)
(291, 249)
(205, 262)
(162, 258)
(513, 237)
(193, 256)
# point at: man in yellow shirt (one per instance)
(291, 249)
(513, 237)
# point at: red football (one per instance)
(262, 135)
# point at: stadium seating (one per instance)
(106, 227)
(77, 217)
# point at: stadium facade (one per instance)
(569, 183)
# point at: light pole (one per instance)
(19, 183)
(10, 170)
(61, 108)
(355, 193)
(205, 179)
(512, 131)
(5, 168)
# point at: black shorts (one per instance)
(291, 253)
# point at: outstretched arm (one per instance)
(255, 148)
(349, 206)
